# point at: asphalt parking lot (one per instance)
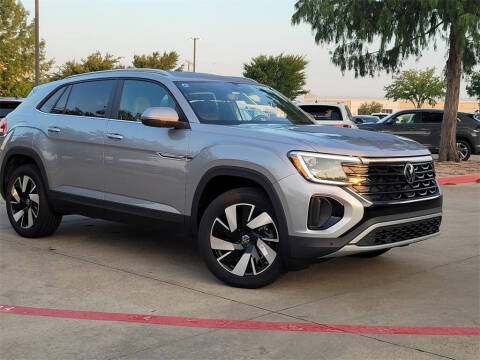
(95, 265)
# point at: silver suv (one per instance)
(235, 161)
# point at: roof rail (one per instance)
(156, 71)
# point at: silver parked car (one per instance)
(244, 168)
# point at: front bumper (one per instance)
(360, 220)
(381, 227)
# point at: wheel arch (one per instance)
(244, 177)
(24, 156)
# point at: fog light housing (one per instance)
(324, 212)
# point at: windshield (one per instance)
(225, 103)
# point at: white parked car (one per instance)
(329, 113)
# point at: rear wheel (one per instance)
(463, 149)
(239, 239)
(27, 207)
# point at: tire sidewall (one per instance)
(32, 172)
(241, 195)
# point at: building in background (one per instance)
(390, 106)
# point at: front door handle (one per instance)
(54, 129)
(115, 136)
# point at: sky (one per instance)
(231, 33)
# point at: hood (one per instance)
(343, 141)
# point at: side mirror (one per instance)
(358, 121)
(164, 117)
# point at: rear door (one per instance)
(146, 165)
(428, 129)
(75, 131)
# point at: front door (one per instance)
(145, 165)
(403, 125)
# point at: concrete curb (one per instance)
(453, 180)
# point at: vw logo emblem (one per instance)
(409, 172)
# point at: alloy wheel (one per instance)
(244, 240)
(24, 201)
(462, 150)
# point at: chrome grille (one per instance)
(382, 183)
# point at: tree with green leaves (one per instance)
(166, 61)
(473, 88)
(416, 86)
(93, 62)
(17, 51)
(379, 35)
(285, 73)
(369, 108)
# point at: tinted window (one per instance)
(323, 112)
(48, 105)
(138, 95)
(89, 98)
(7, 107)
(433, 117)
(59, 106)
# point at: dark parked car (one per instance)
(365, 119)
(7, 105)
(423, 125)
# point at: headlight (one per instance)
(322, 168)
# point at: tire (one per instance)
(243, 250)
(464, 149)
(28, 208)
(370, 254)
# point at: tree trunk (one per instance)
(448, 148)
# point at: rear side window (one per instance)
(52, 100)
(432, 118)
(323, 112)
(90, 98)
(59, 106)
(137, 96)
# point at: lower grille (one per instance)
(401, 232)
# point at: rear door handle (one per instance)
(115, 136)
(54, 129)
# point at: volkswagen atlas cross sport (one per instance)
(262, 187)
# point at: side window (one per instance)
(139, 95)
(59, 107)
(52, 100)
(89, 98)
(404, 118)
(432, 118)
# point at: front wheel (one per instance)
(239, 239)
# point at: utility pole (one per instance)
(37, 45)
(195, 51)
